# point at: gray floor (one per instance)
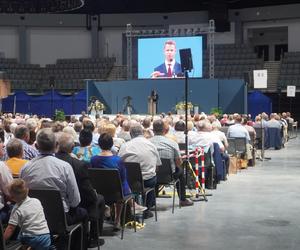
(256, 209)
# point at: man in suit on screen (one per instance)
(170, 68)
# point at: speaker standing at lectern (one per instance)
(152, 103)
(170, 68)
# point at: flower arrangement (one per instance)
(95, 104)
(181, 106)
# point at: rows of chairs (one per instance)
(106, 182)
(232, 61)
(290, 69)
(35, 77)
(54, 212)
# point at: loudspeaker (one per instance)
(186, 59)
(222, 26)
(218, 11)
(51, 81)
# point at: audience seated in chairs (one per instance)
(211, 140)
(124, 133)
(148, 133)
(274, 121)
(110, 128)
(274, 129)
(32, 125)
(28, 215)
(6, 123)
(239, 131)
(5, 179)
(90, 200)
(22, 133)
(106, 159)
(284, 124)
(141, 150)
(179, 131)
(15, 152)
(219, 134)
(169, 149)
(47, 171)
(86, 150)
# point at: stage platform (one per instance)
(229, 95)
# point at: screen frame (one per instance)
(202, 46)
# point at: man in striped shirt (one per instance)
(169, 149)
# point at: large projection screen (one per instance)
(154, 55)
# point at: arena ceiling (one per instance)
(127, 6)
(142, 6)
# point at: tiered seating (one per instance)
(290, 69)
(69, 74)
(22, 76)
(232, 61)
(118, 73)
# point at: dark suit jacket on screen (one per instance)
(176, 70)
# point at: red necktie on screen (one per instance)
(169, 71)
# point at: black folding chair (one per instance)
(237, 147)
(136, 183)
(274, 138)
(11, 245)
(260, 138)
(55, 215)
(231, 147)
(252, 142)
(240, 146)
(165, 177)
(108, 183)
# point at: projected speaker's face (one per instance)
(170, 51)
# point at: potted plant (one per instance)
(217, 111)
(60, 115)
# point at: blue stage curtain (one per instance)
(42, 105)
(258, 103)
